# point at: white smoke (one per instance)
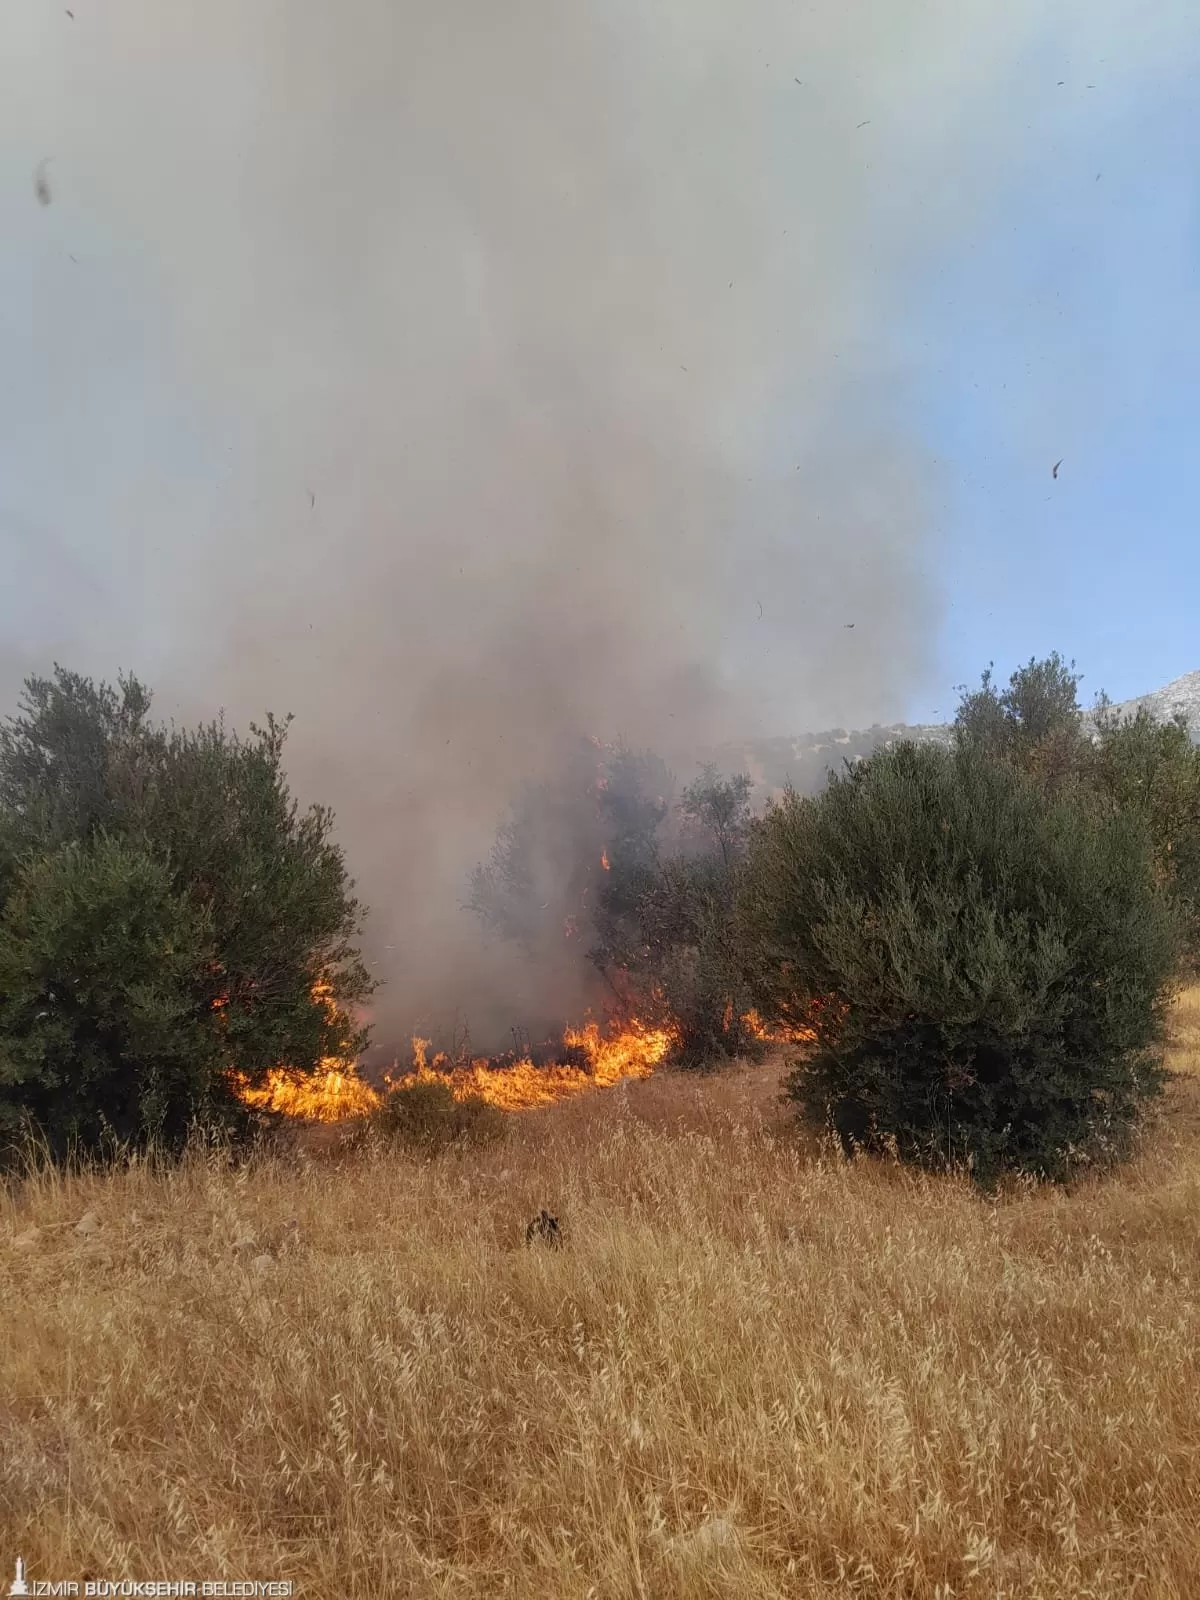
(465, 378)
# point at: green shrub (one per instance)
(97, 805)
(101, 1030)
(1136, 763)
(666, 926)
(424, 1113)
(1152, 768)
(1035, 723)
(692, 977)
(994, 960)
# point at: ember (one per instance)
(757, 1029)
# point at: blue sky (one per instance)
(1070, 328)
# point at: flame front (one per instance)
(633, 1052)
(333, 1093)
(336, 1093)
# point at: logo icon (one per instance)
(19, 1585)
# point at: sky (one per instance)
(1070, 329)
(466, 380)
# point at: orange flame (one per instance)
(633, 1052)
(333, 1093)
(758, 1029)
(604, 861)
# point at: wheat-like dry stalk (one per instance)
(752, 1371)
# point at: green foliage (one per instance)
(1035, 723)
(99, 1026)
(666, 924)
(84, 771)
(1152, 769)
(720, 808)
(993, 959)
(424, 1114)
(1135, 763)
(636, 795)
(276, 887)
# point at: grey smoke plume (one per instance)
(467, 377)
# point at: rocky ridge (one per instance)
(804, 762)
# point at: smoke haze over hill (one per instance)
(466, 380)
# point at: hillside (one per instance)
(804, 761)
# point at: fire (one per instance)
(604, 861)
(336, 1093)
(758, 1029)
(331, 1094)
(632, 1052)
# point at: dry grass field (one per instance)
(752, 1370)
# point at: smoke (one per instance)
(465, 378)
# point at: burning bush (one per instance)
(169, 918)
(651, 880)
(547, 857)
(666, 923)
(995, 960)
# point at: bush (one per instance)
(425, 1114)
(994, 960)
(98, 1024)
(666, 924)
(545, 858)
(692, 977)
(242, 956)
(605, 850)
(1152, 769)
(1136, 764)
(1035, 723)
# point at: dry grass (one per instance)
(753, 1370)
